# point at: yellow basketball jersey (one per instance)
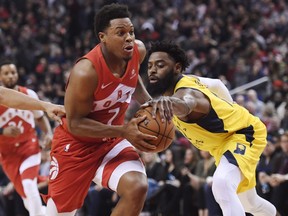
(228, 129)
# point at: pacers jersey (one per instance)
(228, 129)
(112, 95)
(23, 119)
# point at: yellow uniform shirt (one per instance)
(228, 129)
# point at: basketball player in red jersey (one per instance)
(94, 143)
(19, 147)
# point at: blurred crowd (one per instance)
(237, 41)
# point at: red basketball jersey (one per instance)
(112, 95)
(23, 119)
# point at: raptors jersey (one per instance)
(112, 95)
(23, 119)
(228, 129)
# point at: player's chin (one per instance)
(127, 55)
(127, 58)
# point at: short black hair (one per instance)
(172, 49)
(5, 62)
(107, 13)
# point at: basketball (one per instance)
(164, 131)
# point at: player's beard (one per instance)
(159, 88)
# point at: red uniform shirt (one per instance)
(23, 119)
(112, 95)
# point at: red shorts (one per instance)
(75, 165)
(22, 161)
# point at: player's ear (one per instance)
(101, 36)
(178, 68)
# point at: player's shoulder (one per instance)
(141, 48)
(84, 68)
(27, 91)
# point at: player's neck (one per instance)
(117, 66)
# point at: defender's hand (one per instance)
(164, 105)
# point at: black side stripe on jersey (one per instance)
(212, 122)
(248, 132)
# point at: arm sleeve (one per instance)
(217, 86)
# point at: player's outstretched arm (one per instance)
(18, 100)
(181, 104)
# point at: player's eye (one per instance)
(160, 65)
(121, 33)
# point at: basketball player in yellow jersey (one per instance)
(208, 117)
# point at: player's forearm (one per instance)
(90, 128)
(183, 107)
(17, 100)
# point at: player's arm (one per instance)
(185, 100)
(44, 124)
(17, 100)
(79, 103)
(182, 103)
(141, 94)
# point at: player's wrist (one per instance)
(45, 106)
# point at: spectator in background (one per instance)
(270, 119)
(240, 73)
(284, 121)
(193, 61)
(6, 194)
(259, 105)
(265, 168)
(155, 173)
(201, 182)
(240, 99)
(189, 196)
(279, 177)
(278, 102)
(168, 195)
(99, 201)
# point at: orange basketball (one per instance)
(164, 131)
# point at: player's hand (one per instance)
(276, 179)
(164, 105)
(11, 131)
(55, 112)
(138, 139)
